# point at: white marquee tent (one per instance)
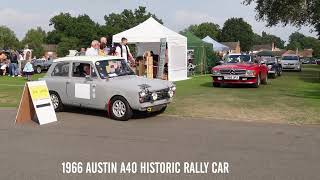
(147, 37)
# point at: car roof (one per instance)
(86, 58)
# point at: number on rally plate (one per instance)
(231, 77)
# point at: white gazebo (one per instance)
(147, 37)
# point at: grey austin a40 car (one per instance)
(105, 83)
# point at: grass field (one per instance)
(293, 98)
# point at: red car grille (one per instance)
(233, 71)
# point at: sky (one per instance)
(21, 16)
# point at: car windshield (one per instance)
(238, 59)
(292, 58)
(268, 60)
(113, 68)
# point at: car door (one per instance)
(81, 86)
(58, 80)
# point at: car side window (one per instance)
(61, 69)
(83, 70)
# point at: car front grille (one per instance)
(233, 71)
(163, 94)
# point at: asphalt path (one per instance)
(252, 150)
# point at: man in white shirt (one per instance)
(123, 50)
(94, 49)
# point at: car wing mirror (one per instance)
(88, 78)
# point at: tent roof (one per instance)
(216, 45)
(149, 31)
(194, 40)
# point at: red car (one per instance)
(240, 69)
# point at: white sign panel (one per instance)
(42, 102)
(82, 91)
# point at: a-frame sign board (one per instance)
(36, 103)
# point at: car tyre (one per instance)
(38, 69)
(162, 110)
(216, 84)
(274, 76)
(120, 109)
(265, 81)
(258, 82)
(280, 72)
(56, 101)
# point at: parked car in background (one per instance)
(318, 61)
(105, 83)
(240, 69)
(291, 62)
(40, 65)
(274, 66)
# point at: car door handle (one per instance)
(67, 82)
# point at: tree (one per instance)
(204, 29)
(116, 23)
(236, 29)
(35, 38)
(8, 39)
(81, 28)
(297, 13)
(300, 41)
(268, 39)
(295, 41)
(66, 44)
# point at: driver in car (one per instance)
(86, 70)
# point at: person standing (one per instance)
(13, 67)
(123, 50)
(94, 49)
(28, 70)
(104, 43)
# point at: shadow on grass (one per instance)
(240, 86)
(310, 76)
(310, 94)
(100, 113)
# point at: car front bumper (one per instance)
(242, 80)
(291, 67)
(154, 106)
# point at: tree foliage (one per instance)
(236, 29)
(205, 29)
(66, 44)
(300, 41)
(81, 30)
(35, 38)
(297, 12)
(8, 39)
(116, 23)
(266, 38)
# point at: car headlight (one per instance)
(173, 88)
(216, 72)
(154, 96)
(250, 73)
(170, 93)
(269, 67)
(143, 93)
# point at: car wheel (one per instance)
(274, 76)
(265, 81)
(258, 82)
(163, 110)
(120, 109)
(56, 101)
(38, 69)
(216, 84)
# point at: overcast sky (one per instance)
(176, 14)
